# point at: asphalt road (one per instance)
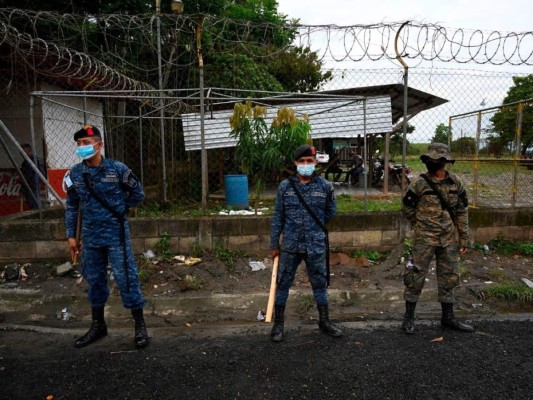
(376, 362)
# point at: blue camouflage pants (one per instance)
(316, 271)
(95, 261)
(447, 271)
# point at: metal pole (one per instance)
(24, 181)
(84, 110)
(41, 177)
(518, 138)
(37, 188)
(450, 133)
(203, 151)
(365, 155)
(405, 98)
(386, 159)
(476, 161)
(161, 102)
(141, 144)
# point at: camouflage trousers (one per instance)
(316, 271)
(94, 270)
(447, 271)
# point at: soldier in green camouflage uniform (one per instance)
(441, 230)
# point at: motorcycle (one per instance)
(395, 172)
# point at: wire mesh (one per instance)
(43, 53)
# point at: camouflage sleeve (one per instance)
(71, 213)
(278, 218)
(331, 203)
(461, 214)
(410, 201)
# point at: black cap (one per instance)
(304, 150)
(87, 131)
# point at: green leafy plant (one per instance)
(371, 255)
(227, 257)
(263, 150)
(162, 247)
(197, 250)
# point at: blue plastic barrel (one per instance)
(236, 187)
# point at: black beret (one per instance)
(87, 131)
(304, 150)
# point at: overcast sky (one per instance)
(509, 15)
(465, 93)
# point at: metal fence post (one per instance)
(518, 138)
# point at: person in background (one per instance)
(303, 238)
(32, 197)
(106, 190)
(358, 167)
(334, 168)
(441, 231)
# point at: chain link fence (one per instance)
(497, 168)
(165, 153)
(179, 143)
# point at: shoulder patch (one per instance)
(67, 182)
(129, 179)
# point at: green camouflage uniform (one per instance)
(436, 234)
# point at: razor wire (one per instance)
(418, 40)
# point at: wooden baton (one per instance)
(272, 295)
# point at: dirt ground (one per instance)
(226, 272)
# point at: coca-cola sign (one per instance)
(11, 193)
(10, 185)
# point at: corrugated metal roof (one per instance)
(329, 118)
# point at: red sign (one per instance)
(55, 178)
(11, 199)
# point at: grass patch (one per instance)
(508, 247)
(192, 282)
(305, 303)
(465, 272)
(346, 203)
(497, 274)
(370, 255)
(511, 292)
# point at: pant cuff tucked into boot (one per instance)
(325, 324)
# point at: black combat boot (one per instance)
(325, 324)
(276, 335)
(141, 335)
(97, 330)
(449, 321)
(408, 324)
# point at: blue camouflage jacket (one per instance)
(116, 184)
(301, 234)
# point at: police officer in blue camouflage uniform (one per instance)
(104, 190)
(303, 238)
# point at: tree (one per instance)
(505, 120)
(262, 150)
(441, 134)
(465, 146)
(255, 40)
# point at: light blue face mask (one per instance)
(305, 170)
(85, 152)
